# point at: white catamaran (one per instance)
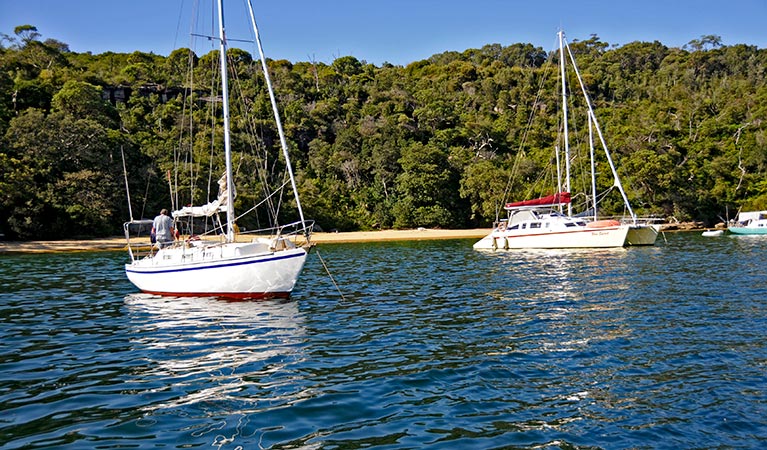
(548, 222)
(224, 264)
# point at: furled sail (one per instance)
(550, 200)
(207, 210)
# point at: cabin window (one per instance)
(569, 224)
(581, 223)
(535, 225)
(514, 227)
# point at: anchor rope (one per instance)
(330, 275)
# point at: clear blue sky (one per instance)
(395, 31)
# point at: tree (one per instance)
(27, 33)
(709, 40)
(427, 189)
(440, 142)
(60, 168)
(80, 99)
(484, 185)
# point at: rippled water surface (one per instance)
(433, 345)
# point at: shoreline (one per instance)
(118, 242)
(348, 237)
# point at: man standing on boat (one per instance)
(162, 228)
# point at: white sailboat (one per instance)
(549, 222)
(226, 265)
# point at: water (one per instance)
(433, 345)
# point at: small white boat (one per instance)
(713, 233)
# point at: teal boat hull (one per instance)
(747, 230)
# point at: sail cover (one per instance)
(207, 210)
(550, 200)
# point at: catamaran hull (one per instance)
(642, 235)
(584, 238)
(243, 277)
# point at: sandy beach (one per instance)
(118, 243)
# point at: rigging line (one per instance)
(188, 153)
(212, 108)
(250, 124)
(267, 174)
(170, 186)
(236, 88)
(216, 228)
(525, 134)
(330, 275)
(256, 147)
(216, 38)
(263, 201)
(146, 194)
(597, 128)
(186, 108)
(127, 189)
(226, 117)
(188, 85)
(283, 141)
(209, 100)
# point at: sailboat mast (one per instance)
(564, 115)
(593, 119)
(227, 140)
(593, 169)
(283, 142)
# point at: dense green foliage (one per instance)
(441, 142)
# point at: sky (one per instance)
(394, 31)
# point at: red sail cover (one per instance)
(554, 199)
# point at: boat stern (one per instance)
(642, 235)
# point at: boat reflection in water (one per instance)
(214, 361)
(581, 303)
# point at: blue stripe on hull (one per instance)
(149, 270)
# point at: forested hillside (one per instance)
(442, 142)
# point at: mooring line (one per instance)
(329, 274)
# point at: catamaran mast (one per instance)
(283, 142)
(227, 140)
(593, 170)
(593, 119)
(564, 115)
